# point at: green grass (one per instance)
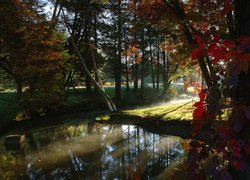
(128, 97)
(177, 111)
(8, 107)
(78, 99)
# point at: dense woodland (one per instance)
(117, 46)
(49, 47)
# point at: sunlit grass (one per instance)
(177, 111)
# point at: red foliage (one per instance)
(236, 164)
(235, 146)
(244, 41)
(226, 8)
(198, 52)
(200, 112)
(229, 43)
(224, 132)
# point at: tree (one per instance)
(33, 55)
(80, 41)
(220, 30)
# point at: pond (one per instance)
(90, 151)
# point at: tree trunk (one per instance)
(152, 65)
(94, 52)
(126, 61)
(118, 64)
(88, 85)
(142, 74)
(205, 72)
(127, 76)
(142, 63)
(164, 75)
(107, 99)
(19, 89)
(136, 76)
(158, 67)
(136, 66)
(87, 56)
(242, 15)
(68, 83)
(55, 10)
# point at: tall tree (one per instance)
(118, 63)
(32, 54)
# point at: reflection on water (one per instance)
(88, 151)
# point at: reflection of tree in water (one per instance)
(99, 152)
(12, 165)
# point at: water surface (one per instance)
(90, 151)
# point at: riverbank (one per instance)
(78, 102)
(173, 118)
(159, 119)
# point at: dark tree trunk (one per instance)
(142, 74)
(240, 92)
(142, 63)
(152, 65)
(95, 51)
(126, 61)
(164, 75)
(205, 72)
(69, 83)
(242, 14)
(118, 64)
(136, 76)
(118, 78)
(136, 66)
(127, 76)
(88, 84)
(158, 68)
(87, 55)
(19, 89)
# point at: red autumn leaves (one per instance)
(199, 113)
(198, 52)
(225, 51)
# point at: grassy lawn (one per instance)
(8, 107)
(168, 111)
(77, 99)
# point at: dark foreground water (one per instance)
(90, 151)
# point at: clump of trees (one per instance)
(114, 39)
(85, 42)
(216, 35)
(32, 54)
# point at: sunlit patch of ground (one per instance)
(173, 110)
